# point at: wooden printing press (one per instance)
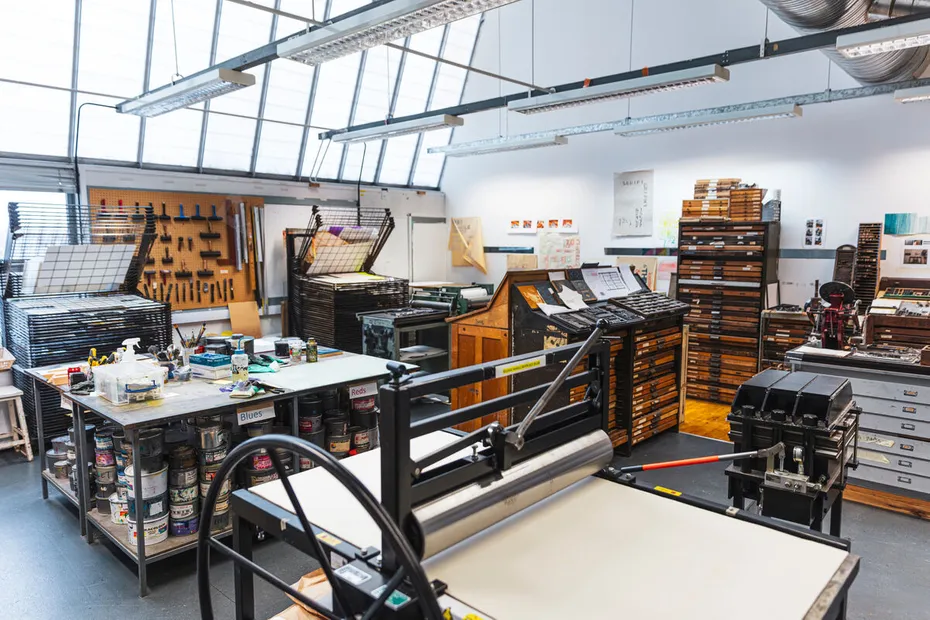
(644, 329)
(817, 420)
(900, 315)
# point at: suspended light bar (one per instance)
(498, 145)
(912, 95)
(887, 39)
(707, 120)
(648, 84)
(187, 92)
(403, 128)
(382, 24)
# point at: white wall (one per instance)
(292, 210)
(846, 162)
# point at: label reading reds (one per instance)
(363, 390)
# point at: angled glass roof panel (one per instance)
(398, 157)
(321, 162)
(242, 29)
(50, 62)
(34, 120)
(429, 166)
(173, 139)
(114, 36)
(356, 154)
(378, 82)
(417, 76)
(289, 82)
(335, 90)
(278, 148)
(229, 143)
(104, 133)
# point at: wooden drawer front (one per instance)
(896, 426)
(866, 388)
(896, 408)
(895, 446)
(898, 480)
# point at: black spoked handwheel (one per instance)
(409, 563)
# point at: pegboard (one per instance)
(229, 283)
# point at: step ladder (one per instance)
(18, 437)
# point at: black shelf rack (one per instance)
(329, 275)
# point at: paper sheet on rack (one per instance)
(555, 276)
(607, 282)
(549, 309)
(572, 299)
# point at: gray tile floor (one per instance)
(48, 571)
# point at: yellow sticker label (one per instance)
(518, 367)
(329, 539)
(669, 491)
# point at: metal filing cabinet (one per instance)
(894, 435)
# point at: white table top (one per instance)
(596, 550)
(329, 371)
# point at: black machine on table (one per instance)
(816, 419)
(431, 502)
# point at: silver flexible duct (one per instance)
(809, 16)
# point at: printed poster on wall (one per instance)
(558, 251)
(633, 204)
(814, 233)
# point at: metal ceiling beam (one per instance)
(146, 76)
(264, 96)
(301, 156)
(429, 103)
(402, 48)
(741, 55)
(75, 66)
(218, 16)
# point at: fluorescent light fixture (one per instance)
(648, 84)
(707, 120)
(498, 145)
(379, 25)
(911, 95)
(887, 39)
(187, 92)
(403, 128)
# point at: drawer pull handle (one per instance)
(910, 392)
(904, 479)
(907, 427)
(907, 409)
(907, 446)
(904, 463)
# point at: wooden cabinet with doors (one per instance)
(472, 344)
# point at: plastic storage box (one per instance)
(129, 382)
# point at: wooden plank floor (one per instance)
(706, 419)
(888, 501)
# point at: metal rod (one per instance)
(402, 48)
(778, 448)
(517, 438)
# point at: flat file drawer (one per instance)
(895, 426)
(894, 446)
(892, 462)
(898, 408)
(890, 391)
(911, 482)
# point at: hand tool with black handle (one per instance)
(181, 217)
(166, 237)
(164, 214)
(196, 216)
(214, 217)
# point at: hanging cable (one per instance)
(174, 34)
(629, 100)
(500, 85)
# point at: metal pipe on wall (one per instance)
(808, 16)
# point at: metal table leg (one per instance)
(243, 579)
(40, 431)
(140, 511)
(295, 431)
(80, 449)
(836, 515)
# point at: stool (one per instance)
(18, 437)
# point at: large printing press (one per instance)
(531, 520)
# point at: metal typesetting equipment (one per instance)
(816, 419)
